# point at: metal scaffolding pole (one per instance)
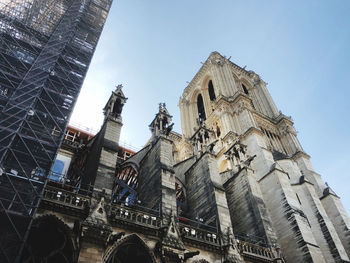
(45, 49)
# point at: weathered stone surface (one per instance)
(267, 192)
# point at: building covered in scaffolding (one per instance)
(235, 186)
(45, 50)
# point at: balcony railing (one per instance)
(249, 249)
(126, 215)
(190, 233)
(69, 201)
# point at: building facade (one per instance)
(235, 186)
(45, 50)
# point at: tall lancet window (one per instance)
(117, 107)
(201, 111)
(211, 91)
(245, 89)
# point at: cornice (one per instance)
(250, 131)
(300, 154)
(175, 136)
(283, 118)
(328, 193)
(271, 171)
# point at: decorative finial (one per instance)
(120, 86)
(162, 106)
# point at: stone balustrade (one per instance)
(65, 200)
(190, 233)
(249, 249)
(126, 215)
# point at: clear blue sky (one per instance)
(300, 48)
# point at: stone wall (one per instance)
(248, 212)
(156, 177)
(200, 192)
(292, 226)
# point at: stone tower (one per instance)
(103, 154)
(270, 186)
(235, 186)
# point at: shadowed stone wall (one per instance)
(200, 192)
(156, 177)
(247, 208)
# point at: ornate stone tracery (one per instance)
(161, 124)
(237, 155)
(126, 182)
(131, 248)
(50, 240)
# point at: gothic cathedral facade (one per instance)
(235, 186)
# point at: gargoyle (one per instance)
(114, 237)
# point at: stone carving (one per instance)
(115, 237)
(171, 245)
(96, 228)
(115, 104)
(237, 155)
(240, 107)
(200, 261)
(286, 128)
(161, 124)
(218, 61)
(202, 140)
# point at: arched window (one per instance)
(125, 186)
(180, 198)
(218, 132)
(130, 249)
(117, 107)
(201, 111)
(49, 241)
(245, 89)
(211, 91)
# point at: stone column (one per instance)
(108, 140)
(156, 188)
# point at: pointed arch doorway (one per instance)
(131, 249)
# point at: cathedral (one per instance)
(234, 186)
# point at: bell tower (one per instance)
(263, 168)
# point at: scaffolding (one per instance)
(45, 49)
